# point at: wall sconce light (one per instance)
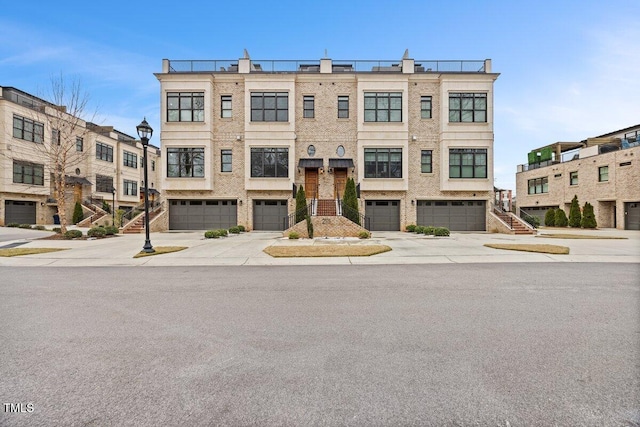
(413, 137)
(238, 137)
(330, 170)
(413, 202)
(240, 202)
(537, 202)
(295, 136)
(41, 203)
(299, 170)
(321, 170)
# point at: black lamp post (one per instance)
(113, 206)
(145, 132)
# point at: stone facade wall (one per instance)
(327, 226)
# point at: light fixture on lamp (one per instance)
(238, 137)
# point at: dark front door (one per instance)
(339, 182)
(311, 183)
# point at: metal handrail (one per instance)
(292, 219)
(354, 216)
(532, 220)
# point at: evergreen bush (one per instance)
(222, 232)
(411, 228)
(350, 202)
(39, 227)
(234, 230)
(241, 228)
(364, 234)
(550, 218)
(309, 226)
(211, 234)
(419, 229)
(301, 204)
(441, 232)
(72, 234)
(429, 231)
(77, 213)
(588, 217)
(27, 226)
(57, 230)
(13, 224)
(561, 218)
(96, 232)
(293, 235)
(106, 207)
(575, 217)
(111, 230)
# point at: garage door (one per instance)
(202, 214)
(269, 214)
(456, 215)
(632, 216)
(383, 215)
(538, 211)
(20, 212)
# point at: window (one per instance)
(104, 152)
(538, 185)
(130, 159)
(603, 173)
(467, 107)
(225, 160)
(104, 184)
(383, 162)
(28, 173)
(308, 107)
(55, 137)
(343, 107)
(185, 162)
(467, 163)
(383, 107)
(270, 162)
(153, 165)
(425, 161)
(225, 106)
(269, 107)
(185, 106)
(130, 188)
(28, 129)
(79, 144)
(573, 178)
(425, 107)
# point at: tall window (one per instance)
(130, 188)
(185, 162)
(425, 107)
(185, 106)
(467, 107)
(603, 173)
(573, 178)
(538, 185)
(104, 152)
(104, 184)
(28, 130)
(308, 107)
(225, 106)
(383, 162)
(269, 107)
(467, 163)
(343, 107)
(270, 162)
(55, 136)
(383, 107)
(79, 144)
(153, 165)
(225, 160)
(130, 159)
(28, 173)
(425, 161)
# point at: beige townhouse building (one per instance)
(238, 137)
(103, 164)
(603, 170)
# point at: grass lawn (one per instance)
(577, 236)
(325, 250)
(159, 250)
(544, 249)
(28, 251)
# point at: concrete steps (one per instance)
(518, 226)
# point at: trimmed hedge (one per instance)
(429, 231)
(441, 232)
(13, 224)
(364, 235)
(211, 234)
(241, 228)
(293, 235)
(96, 232)
(111, 230)
(234, 230)
(72, 234)
(26, 226)
(411, 228)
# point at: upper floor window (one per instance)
(185, 162)
(130, 159)
(269, 107)
(130, 188)
(104, 152)
(308, 107)
(28, 173)
(225, 160)
(467, 107)
(55, 137)
(383, 107)
(185, 106)
(269, 162)
(27, 129)
(153, 165)
(538, 185)
(573, 178)
(603, 173)
(425, 107)
(425, 161)
(225, 106)
(343, 107)
(104, 184)
(79, 144)
(383, 162)
(467, 163)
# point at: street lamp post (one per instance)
(145, 132)
(113, 206)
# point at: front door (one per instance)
(311, 183)
(339, 182)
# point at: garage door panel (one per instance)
(20, 212)
(384, 215)
(269, 215)
(632, 216)
(202, 214)
(454, 214)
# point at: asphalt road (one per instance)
(458, 345)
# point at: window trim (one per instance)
(101, 180)
(461, 110)
(197, 114)
(377, 97)
(129, 188)
(226, 152)
(377, 163)
(280, 171)
(198, 151)
(573, 178)
(424, 99)
(536, 184)
(262, 110)
(600, 174)
(344, 111)
(37, 129)
(34, 167)
(308, 107)
(79, 144)
(104, 150)
(422, 162)
(226, 112)
(476, 153)
(129, 159)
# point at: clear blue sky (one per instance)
(569, 69)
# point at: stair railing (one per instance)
(533, 221)
(502, 214)
(355, 216)
(298, 216)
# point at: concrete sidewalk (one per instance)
(247, 249)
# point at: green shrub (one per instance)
(111, 230)
(293, 235)
(419, 229)
(411, 228)
(72, 234)
(234, 230)
(13, 224)
(301, 204)
(106, 207)
(211, 234)
(119, 215)
(550, 218)
(575, 217)
(222, 232)
(441, 231)
(588, 217)
(364, 235)
(77, 213)
(561, 218)
(309, 226)
(96, 232)
(241, 228)
(350, 202)
(39, 227)
(27, 226)
(57, 230)
(429, 231)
